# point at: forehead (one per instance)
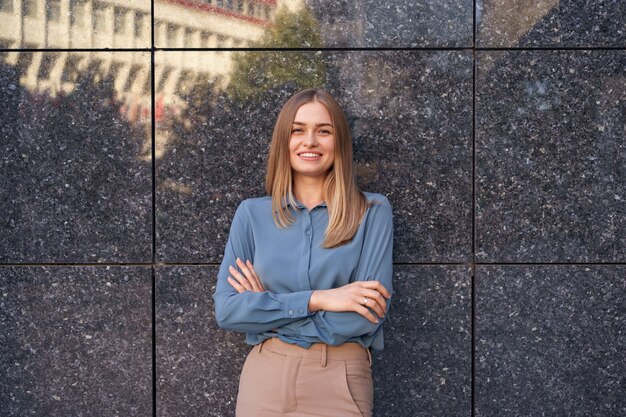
(314, 111)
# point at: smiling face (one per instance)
(312, 141)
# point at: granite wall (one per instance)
(495, 128)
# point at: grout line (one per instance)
(75, 49)
(460, 48)
(217, 264)
(153, 160)
(473, 244)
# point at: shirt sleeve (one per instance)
(251, 311)
(375, 264)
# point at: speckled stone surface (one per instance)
(76, 181)
(550, 156)
(410, 114)
(426, 355)
(425, 368)
(550, 340)
(550, 23)
(198, 364)
(400, 23)
(75, 341)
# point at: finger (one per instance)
(240, 278)
(235, 284)
(253, 278)
(253, 274)
(249, 276)
(366, 313)
(258, 279)
(377, 301)
(375, 285)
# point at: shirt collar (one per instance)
(302, 206)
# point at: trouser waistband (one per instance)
(346, 351)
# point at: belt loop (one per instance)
(369, 356)
(323, 354)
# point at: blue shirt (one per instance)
(292, 264)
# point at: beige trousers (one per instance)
(283, 379)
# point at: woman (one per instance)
(307, 272)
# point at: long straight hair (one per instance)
(345, 202)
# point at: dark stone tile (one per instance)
(198, 364)
(550, 340)
(425, 368)
(51, 24)
(401, 23)
(573, 23)
(75, 341)
(76, 179)
(426, 356)
(313, 24)
(550, 157)
(410, 114)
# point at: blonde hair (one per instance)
(345, 202)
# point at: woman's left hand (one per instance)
(248, 281)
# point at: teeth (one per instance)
(310, 155)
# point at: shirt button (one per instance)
(308, 232)
(301, 310)
(290, 311)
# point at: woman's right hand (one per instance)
(350, 297)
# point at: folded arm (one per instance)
(250, 311)
(376, 263)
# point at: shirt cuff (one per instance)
(297, 304)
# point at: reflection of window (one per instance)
(95, 67)
(29, 8)
(132, 76)
(120, 20)
(164, 76)
(115, 68)
(220, 3)
(47, 62)
(78, 12)
(221, 41)
(189, 37)
(99, 18)
(147, 86)
(171, 35)
(138, 23)
(24, 61)
(204, 39)
(70, 72)
(53, 10)
(6, 6)
(229, 4)
(240, 6)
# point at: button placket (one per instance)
(309, 233)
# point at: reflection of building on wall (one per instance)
(87, 24)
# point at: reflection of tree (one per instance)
(256, 72)
(72, 184)
(216, 150)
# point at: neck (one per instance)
(308, 189)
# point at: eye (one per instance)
(324, 130)
(296, 129)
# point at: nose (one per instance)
(310, 139)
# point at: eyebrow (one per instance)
(317, 124)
